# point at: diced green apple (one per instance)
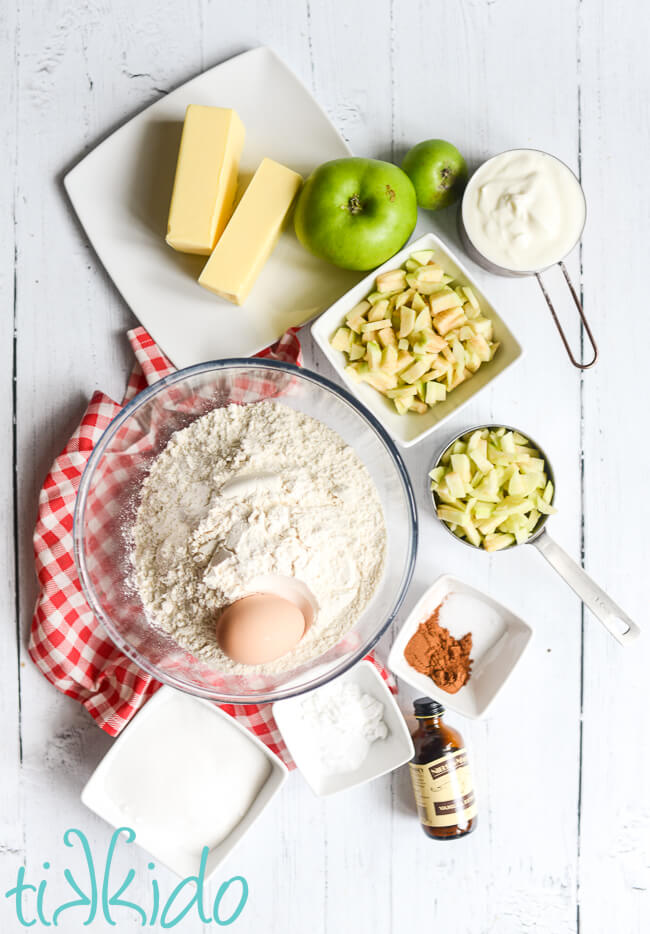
(387, 337)
(418, 304)
(422, 257)
(435, 392)
(356, 351)
(497, 541)
(460, 464)
(391, 281)
(471, 298)
(417, 369)
(445, 300)
(402, 392)
(342, 339)
(406, 321)
(455, 484)
(422, 321)
(376, 325)
(415, 338)
(450, 514)
(355, 318)
(373, 355)
(419, 407)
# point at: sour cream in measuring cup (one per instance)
(523, 210)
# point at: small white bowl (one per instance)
(150, 723)
(499, 640)
(384, 755)
(410, 428)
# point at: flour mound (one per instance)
(250, 491)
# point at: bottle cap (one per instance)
(427, 707)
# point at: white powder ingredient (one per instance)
(185, 778)
(336, 726)
(250, 491)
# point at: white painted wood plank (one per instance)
(615, 824)
(11, 831)
(285, 858)
(356, 95)
(483, 84)
(77, 80)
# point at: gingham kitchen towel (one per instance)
(66, 642)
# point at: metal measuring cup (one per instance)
(613, 618)
(486, 263)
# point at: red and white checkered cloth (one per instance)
(67, 642)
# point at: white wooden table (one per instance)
(562, 766)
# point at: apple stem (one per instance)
(354, 205)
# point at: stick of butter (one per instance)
(206, 178)
(252, 232)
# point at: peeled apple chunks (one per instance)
(356, 213)
(415, 330)
(491, 488)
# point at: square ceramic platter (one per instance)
(96, 797)
(121, 193)
(410, 428)
(385, 754)
(499, 639)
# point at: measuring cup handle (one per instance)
(580, 366)
(613, 618)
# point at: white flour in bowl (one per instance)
(250, 491)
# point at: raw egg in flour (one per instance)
(259, 628)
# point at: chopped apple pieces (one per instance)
(417, 333)
(486, 490)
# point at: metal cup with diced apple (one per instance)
(493, 488)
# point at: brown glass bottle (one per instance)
(442, 781)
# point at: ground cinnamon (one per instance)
(432, 651)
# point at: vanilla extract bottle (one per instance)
(440, 775)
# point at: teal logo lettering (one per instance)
(104, 895)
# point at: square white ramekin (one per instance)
(410, 428)
(498, 647)
(95, 796)
(384, 755)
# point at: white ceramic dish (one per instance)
(121, 193)
(169, 852)
(498, 644)
(384, 756)
(410, 428)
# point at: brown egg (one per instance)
(259, 628)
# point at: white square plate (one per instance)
(167, 851)
(384, 755)
(498, 644)
(410, 428)
(121, 193)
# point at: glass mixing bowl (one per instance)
(108, 500)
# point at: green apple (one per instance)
(356, 213)
(438, 172)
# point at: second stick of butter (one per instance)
(252, 232)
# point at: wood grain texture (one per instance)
(482, 108)
(11, 792)
(561, 766)
(615, 812)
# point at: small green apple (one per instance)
(438, 172)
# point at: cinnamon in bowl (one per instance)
(434, 652)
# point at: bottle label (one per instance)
(444, 792)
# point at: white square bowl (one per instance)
(96, 797)
(498, 644)
(410, 428)
(384, 755)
